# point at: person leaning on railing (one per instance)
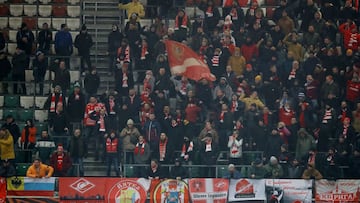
(39, 170)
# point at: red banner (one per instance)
(208, 190)
(337, 191)
(170, 190)
(107, 190)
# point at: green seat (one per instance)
(21, 168)
(129, 171)
(195, 172)
(221, 171)
(41, 127)
(250, 156)
(11, 101)
(11, 112)
(245, 170)
(26, 114)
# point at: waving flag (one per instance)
(184, 61)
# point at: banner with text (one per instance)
(106, 190)
(170, 190)
(337, 191)
(208, 190)
(289, 190)
(247, 190)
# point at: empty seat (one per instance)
(59, 1)
(4, 22)
(74, 75)
(45, 1)
(222, 170)
(11, 101)
(129, 171)
(26, 114)
(4, 10)
(27, 101)
(16, 9)
(49, 75)
(31, 22)
(21, 168)
(29, 75)
(41, 127)
(73, 23)
(30, 10)
(45, 10)
(11, 47)
(10, 112)
(73, 11)
(41, 115)
(15, 22)
(73, 35)
(73, 2)
(59, 11)
(30, 1)
(1, 114)
(40, 102)
(1, 101)
(41, 21)
(74, 62)
(56, 23)
(12, 35)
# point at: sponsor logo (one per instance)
(82, 185)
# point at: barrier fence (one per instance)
(195, 190)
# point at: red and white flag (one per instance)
(208, 190)
(184, 61)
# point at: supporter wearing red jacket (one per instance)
(351, 37)
(90, 124)
(353, 89)
(61, 162)
(286, 114)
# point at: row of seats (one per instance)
(26, 102)
(73, 2)
(41, 10)
(25, 114)
(35, 22)
(11, 47)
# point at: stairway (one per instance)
(99, 16)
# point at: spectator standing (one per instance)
(133, 7)
(114, 41)
(25, 40)
(182, 25)
(39, 170)
(64, 44)
(5, 71)
(129, 135)
(54, 99)
(91, 128)
(76, 106)
(20, 63)
(124, 80)
(91, 83)
(28, 140)
(164, 150)
(59, 125)
(132, 104)
(61, 162)
(45, 146)
(304, 143)
(208, 153)
(78, 151)
(83, 42)
(112, 149)
(112, 104)
(152, 130)
(40, 65)
(141, 156)
(6, 145)
(132, 32)
(62, 77)
(235, 146)
(13, 128)
(103, 127)
(44, 39)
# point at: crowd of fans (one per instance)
(287, 85)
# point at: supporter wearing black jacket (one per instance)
(62, 77)
(76, 104)
(114, 41)
(13, 128)
(44, 39)
(20, 63)
(83, 42)
(5, 70)
(178, 171)
(91, 83)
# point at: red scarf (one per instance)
(125, 80)
(124, 55)
(234, 106)
(144, 52)
(52, 104)
(162, 149)
(215, 60)
(142, 148)
(111, 106)
(183, 23)
(102, 123)
(209, 11)
(221, 118)
(266, 118)
(292, 74)
(60, 159)
(234, 14)
(184, 151)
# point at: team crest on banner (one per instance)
(247, 190)
(127, 191)
(170, 191)
(207, 190)
(337, 191)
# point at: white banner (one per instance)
(247, 189)
(289, 190)
(337, 191)
(207, 190)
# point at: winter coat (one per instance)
(59, 121)
(142, 158)
(77, 147)
(14, 130)
(44, 39)
(237, 63)
(114, 41)
(129, 138)
(5, 68)
(63, 41)
(20, 63)
(29, 138)
(25, 46)
(40, 68)
(91, 83)
(76, 107)
(83, 42)
(235, 147)
(7, 146)
(303, 144)
(62, 78)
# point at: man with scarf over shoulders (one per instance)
(61, 162)
(103, 126)
(152, 130)
(141, 156)
(112, 149)
(208, 153)
(54, 100)
(182, 23)
(164, 150)
(90, 124)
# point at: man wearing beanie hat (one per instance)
(83, 42)
(64, 44)
(25, 39)
(130, 135)
(40, 64)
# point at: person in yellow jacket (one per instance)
(237, 62)
(252, 99)
(39, 170)
(133, 7)
(6, 145)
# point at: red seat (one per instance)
(4, 10)
(59, 1)
(16, 1)
(271, 3)
(270, 12)
(31, 22)
(59, 11)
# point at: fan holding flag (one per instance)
(184, 61)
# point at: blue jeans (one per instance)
(112, 158)
(80, 162)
